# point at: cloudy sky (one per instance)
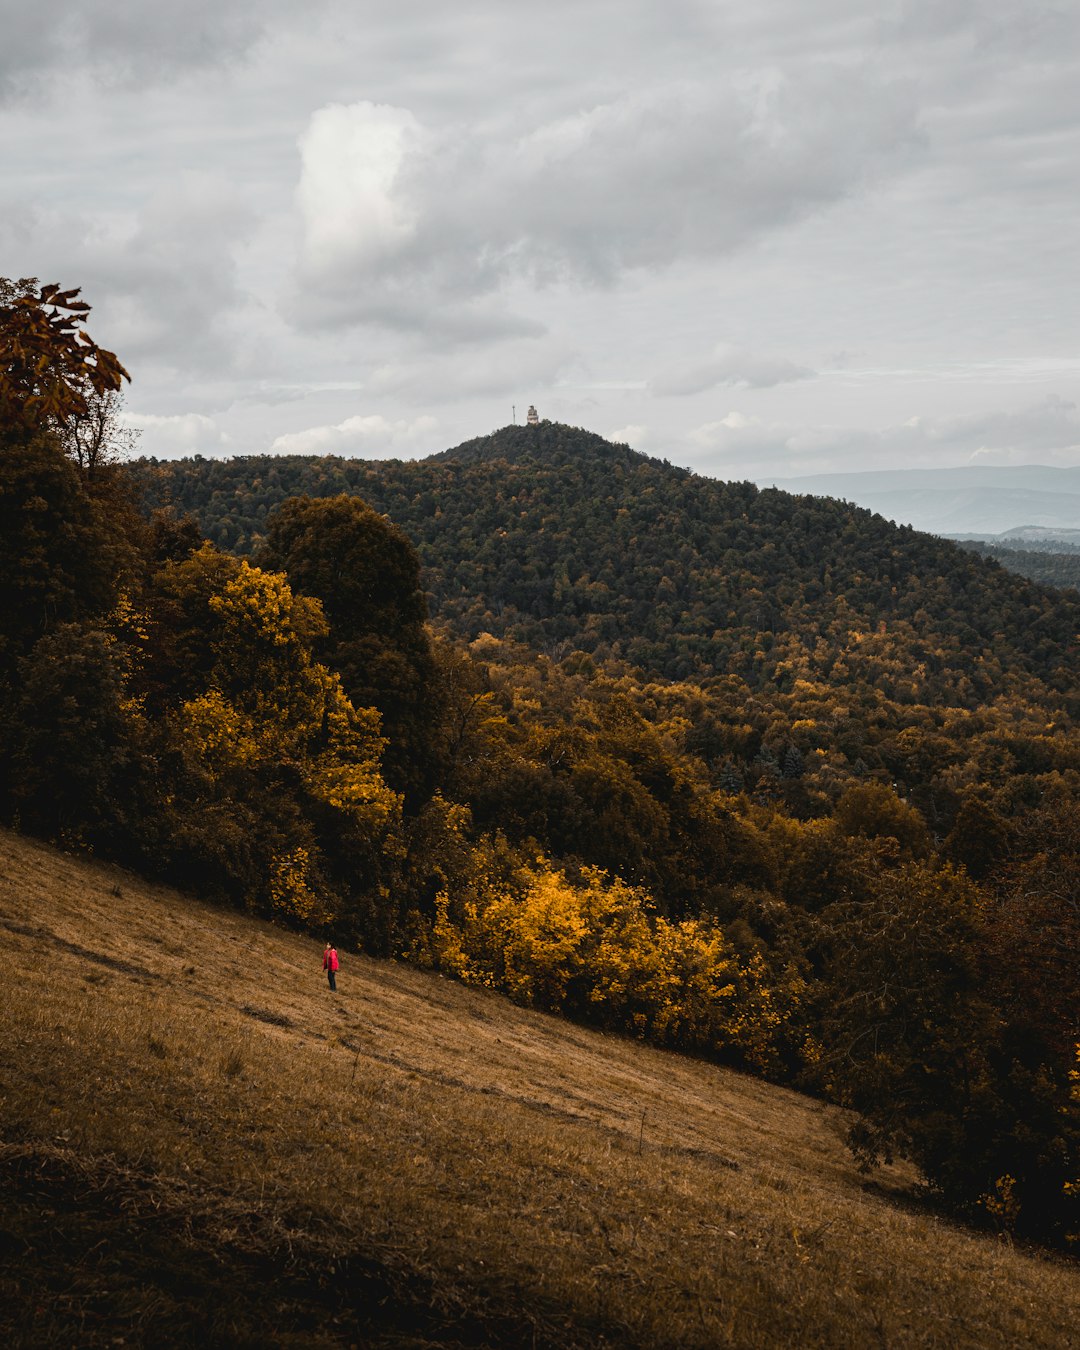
(760, 239)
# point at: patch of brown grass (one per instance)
(479, 1173)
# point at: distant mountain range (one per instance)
(1034, 502)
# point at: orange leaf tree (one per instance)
(50, 368)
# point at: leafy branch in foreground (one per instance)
(50, 367)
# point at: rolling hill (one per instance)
(553, 537)
(200, 1145)
(729, 772)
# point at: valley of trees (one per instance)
(1055, 563)
(756, 777)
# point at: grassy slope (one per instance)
(201, 1144)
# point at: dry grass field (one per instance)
(199, 1144)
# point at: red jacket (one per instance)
(329, 960)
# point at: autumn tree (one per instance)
(979, 838)
(875, 811)
(67, 548)
(592, 947)
(50, 367)
(256, 729)
(939, 1032)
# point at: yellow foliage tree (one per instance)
(269, 702)
(265, 717)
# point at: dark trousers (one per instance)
(330, 975)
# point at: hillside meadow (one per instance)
(200, 1144)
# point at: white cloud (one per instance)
(1047, 432)
(506, 371)
(730, 367)
(447, 211)
(353, 217)
(136, 43)
(161, 280)
(635, 435)
(179, 435)
(371, 437)
(1050, 428)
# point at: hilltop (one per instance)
(551, 443)
(200, 1146)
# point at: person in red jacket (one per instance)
(330, 964)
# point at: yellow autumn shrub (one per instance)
(593, 946)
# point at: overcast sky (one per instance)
(777, 238)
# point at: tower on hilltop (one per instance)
(532, 416)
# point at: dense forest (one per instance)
(233, 497)
(549, 534)
(808, 629)
(758, 777)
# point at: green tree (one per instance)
(979, 838)
(74, 738)
(933, 1037)
(875, 811)
(367, 576)
(64, 558)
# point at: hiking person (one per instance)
(330, 965)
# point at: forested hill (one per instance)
(554, 537)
